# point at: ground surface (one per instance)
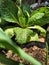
(34, 51)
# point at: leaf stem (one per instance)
(46, 63)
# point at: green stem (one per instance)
(46, 63)
(28, 58)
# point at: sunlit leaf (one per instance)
(22, 35)
(34, 37)
(39, 17)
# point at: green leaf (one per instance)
(26, 11)
(20, 13)
(8, 10)
(21, 18)
(44, 20)
(9, 44)
(34, 37)
(39, 17)
(22, 35)
(41, 10)
(6, 61)
(33, 19)
(42, 30)
(10, 32)
(47, 49)
(27, 15)
(22, 21)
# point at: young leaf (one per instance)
(27, 15)
(21, 18)
(22, 21)
(8, 10)
(22, 35)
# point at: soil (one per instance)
(34, 51)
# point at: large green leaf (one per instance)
(33, 19)
(6, 61)
(44, 20)
(7, 43)
(22, 35)
(36, 16)
(39, 16)
(8, 10)
(41, 10)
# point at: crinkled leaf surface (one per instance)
(39, 16)
(8, 10)
(22, 35)
(33, 19)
